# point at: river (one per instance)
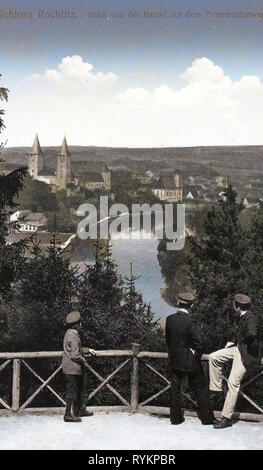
(143, 256)
(142, 253)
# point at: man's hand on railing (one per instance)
(92, 352)
(89, 352)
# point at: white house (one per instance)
(29, 221)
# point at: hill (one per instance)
(236, 161)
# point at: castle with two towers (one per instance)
(66, 171)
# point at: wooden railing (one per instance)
(134, 357)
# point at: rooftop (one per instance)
(64, 149)
(36, 149)
(35, 217)
(92, 177)
(165, 182)
(123, 431)
(89, 166)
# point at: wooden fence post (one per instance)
(135, 377)
(16, 385)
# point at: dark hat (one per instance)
(242, 299)
(186, 298)
(73, 317)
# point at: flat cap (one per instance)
(73, 317)
(186, 297)
(242, 299)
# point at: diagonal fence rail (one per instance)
(135, 361)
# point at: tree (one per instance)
(102, 276)
(47, 293)
(254, 259)
(144, 329)
(3, 96)
(217, 269)
(36, 196)
(11, 256)
(34, 319)
(100, 299)
(115, 315)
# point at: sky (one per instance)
(136, 80)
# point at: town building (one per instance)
(144, 178)
(28, 221)
(92, 175)
(220, 181)
(169, 187)
(194, 192)
(249, 198)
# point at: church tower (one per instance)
(35, 159)
(64, 175)
(106, 175)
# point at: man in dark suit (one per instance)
(245, 354)
(185, 348)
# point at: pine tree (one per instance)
(217, 269)
(254, 259)
(100, 299)
(144, 328)
(11, 256)
(3, 97)
(115, 315)
(132, 297)
(103, 276)
(47, 293)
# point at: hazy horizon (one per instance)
(137, 148)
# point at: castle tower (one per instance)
(106, 175)
(35, 159)
(64, 175)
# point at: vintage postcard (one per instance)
(131, 227)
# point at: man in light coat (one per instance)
(245, 355)
(72, 364)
